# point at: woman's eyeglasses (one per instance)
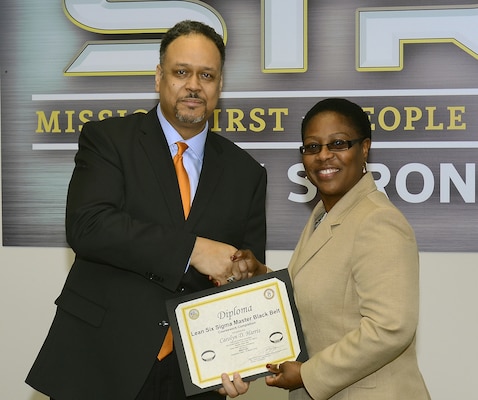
(336, 145)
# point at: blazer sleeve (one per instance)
(99, 225)
(385, 275)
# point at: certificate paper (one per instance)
(239, 327)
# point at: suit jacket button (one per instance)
(163, 323)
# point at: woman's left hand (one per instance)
(286, 375)
(233, 388)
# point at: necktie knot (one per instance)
(182, 147)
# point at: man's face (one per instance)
(189, 83)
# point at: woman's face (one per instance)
(333, 173)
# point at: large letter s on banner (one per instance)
(130, 57)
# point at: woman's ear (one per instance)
(366, 143)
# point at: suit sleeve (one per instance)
(98, 226)
(255, 231)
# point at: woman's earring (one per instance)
(364, 168)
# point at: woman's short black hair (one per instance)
(353, 112)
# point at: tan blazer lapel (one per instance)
(311, 240)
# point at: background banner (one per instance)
(413, 66)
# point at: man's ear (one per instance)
(157, 77)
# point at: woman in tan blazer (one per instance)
(354, 273)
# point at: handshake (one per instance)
(224, 263)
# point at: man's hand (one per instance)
(215, 259)
(233, 388)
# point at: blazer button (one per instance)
(163, 323)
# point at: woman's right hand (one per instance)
(285, 375)
(247, 259)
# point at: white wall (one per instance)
(31, 278)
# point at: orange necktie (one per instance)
(183, 180)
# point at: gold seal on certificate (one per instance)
(239, 327)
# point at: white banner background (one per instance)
(413, 68)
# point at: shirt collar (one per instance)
(196, 143)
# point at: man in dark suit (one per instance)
(134, 247)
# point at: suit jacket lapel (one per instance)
(312, 240)
(209, 178)
(154, 144)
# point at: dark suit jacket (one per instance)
(125, 222)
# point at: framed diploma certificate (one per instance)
(239, 327)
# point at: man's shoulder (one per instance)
(127, 120)
(121, 128)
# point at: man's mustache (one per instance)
(192, 95)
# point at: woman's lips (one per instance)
(327, 171)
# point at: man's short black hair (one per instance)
(188, 27)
